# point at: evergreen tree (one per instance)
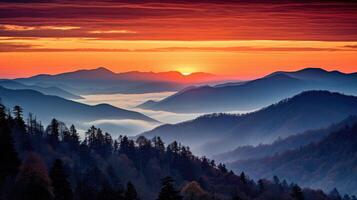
(9, 162)
(61, 186)
(130, 192)
(18, 119)
(53, 132)
(297, 193)
(168, 191)
(75, 139)
(243, 178)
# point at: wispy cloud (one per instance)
(10, 27)
(16, 47)
(182, 20)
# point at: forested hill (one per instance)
(322, 164)
(53, 163)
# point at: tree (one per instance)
(8, 156)
(75, 139)
(243, 178)
(61, 186)
(53, 132)
(168, 191)
(297, 193)
(32, 182)
(130, 192)
(18, 119)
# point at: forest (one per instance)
(57, 163)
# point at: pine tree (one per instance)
(243, 178)
(130, 192)
(8, 155)
(53, 132)
(18, 119)
(168, 191)
(297, 193)
(61, 186)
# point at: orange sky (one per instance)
(244, 39)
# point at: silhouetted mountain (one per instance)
(47, 107)
(224, 132)
(10, 84)
(104, 81)
(281, 145)
(99, 167)
(324, 164)
(255, 94)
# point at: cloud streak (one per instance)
(15, 47)
(183, 20)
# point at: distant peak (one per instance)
(103, 69)
(311, 69)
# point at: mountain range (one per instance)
(307, 110)
(52, 90)
(47, 107)
(255, 94)
(104, 81)
(322, 164)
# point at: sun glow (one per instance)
(186, 71)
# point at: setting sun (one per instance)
(186, 70)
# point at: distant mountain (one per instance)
(10, 84)
(224, 132)
(255, 94)
(282, 145)
(326, 164)
(104, 81)
(48, 107)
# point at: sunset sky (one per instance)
(232, 38)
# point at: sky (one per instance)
(242, 38)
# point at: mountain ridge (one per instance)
(257, 93)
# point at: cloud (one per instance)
(111, 31)
(351, 46)
(16, 47)
(10, 27)
(122, 127)
(180, 20)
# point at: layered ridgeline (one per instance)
(319, 165)
(46, 107)
(282, 145)
(254, 94)
(56, 164)
(52, 90)
(104, 81)
(224, 132)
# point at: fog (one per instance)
(129, 102)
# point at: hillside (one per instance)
(319, 165)
(282, 145)
(55, 164)
(308, 110)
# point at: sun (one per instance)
(186, 71)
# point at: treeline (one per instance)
(55, 163)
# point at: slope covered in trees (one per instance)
(307, 110)
(326, 164)
(282, 145)
(54, 163)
